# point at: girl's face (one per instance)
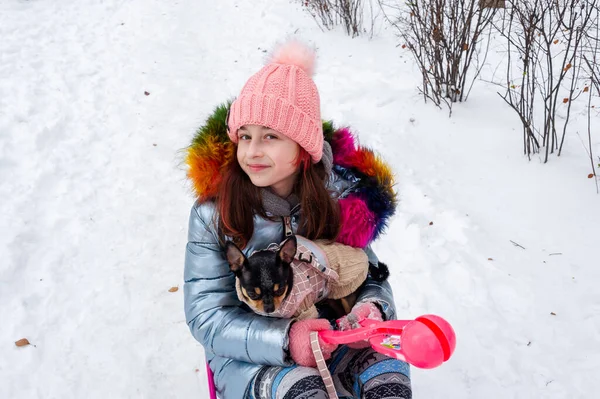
(268, 158)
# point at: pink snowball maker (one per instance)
(426, 342)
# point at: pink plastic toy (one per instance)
(426, 342)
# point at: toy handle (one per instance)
(370, 329)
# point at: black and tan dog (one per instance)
(266, 278)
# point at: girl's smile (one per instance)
(257, 167)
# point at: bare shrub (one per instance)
(445, 38)
(492, 3)
(349, 13)
(591, 57)
(546, 46)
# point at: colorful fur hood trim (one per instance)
(365, 207)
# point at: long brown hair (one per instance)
(239, 200)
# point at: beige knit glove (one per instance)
(351, 264)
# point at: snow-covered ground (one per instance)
(94, 202)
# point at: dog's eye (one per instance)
(279, 291)
(252, 295)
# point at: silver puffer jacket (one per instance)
(238, 342)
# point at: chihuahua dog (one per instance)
(266, 278)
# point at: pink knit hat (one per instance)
(283, 97)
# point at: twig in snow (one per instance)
(517, 245)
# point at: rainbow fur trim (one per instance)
(365, 208)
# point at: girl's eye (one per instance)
(244, 137)
(271, 137)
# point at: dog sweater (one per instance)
(346, 270)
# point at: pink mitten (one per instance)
(365, 310)
(300, 348)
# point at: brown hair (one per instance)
(239, 200)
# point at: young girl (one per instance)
(262, 167)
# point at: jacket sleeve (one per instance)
(212, 309)
(378, 292)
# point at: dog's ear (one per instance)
(235, 257)
(288, 248)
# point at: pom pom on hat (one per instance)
(295, 53)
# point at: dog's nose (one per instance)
(269, 307)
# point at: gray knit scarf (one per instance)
(277, 206)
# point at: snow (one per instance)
(94, 202)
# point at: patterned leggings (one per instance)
(357, 373)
